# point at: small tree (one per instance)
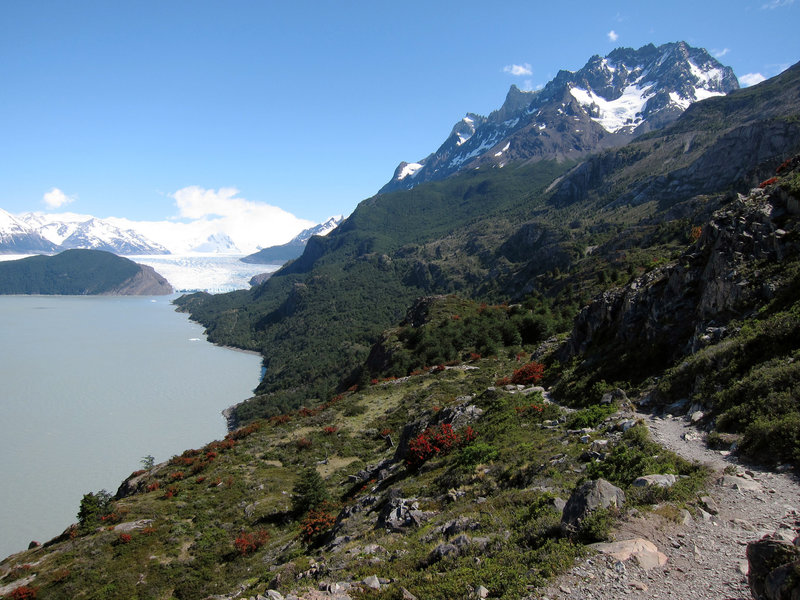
(148, 462)
(309, 492)
(93, 506)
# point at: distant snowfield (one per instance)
(213, 273)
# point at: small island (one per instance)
(81, 272)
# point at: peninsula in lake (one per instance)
(81, 272)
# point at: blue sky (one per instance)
(117, 108)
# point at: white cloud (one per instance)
(518, 70)
(194, 202)
(251, 225)
(720, 53)
(749, 79)
(613, 36)
(55, 198)
(773, 4)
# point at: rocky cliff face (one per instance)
(672, 309)
(145, 283)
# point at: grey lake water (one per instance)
(90, 385)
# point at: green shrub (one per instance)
(476, 453)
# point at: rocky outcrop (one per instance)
(774, 569)
(667, 311)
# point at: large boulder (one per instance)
(772, 563)
(586, 499)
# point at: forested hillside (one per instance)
(550, 235)
(80, 272)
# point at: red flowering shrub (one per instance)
(171, 492)
(247, 543)
(243, 432)
(530, 373)
(386, 431)
(697, 231)
(503, 381)
(176, 476)
(110, 518)
(303, 443)
(153, 486)
(280, 419)
(24, 592)
(468, 435)
(330, 430)
(353, 388)
(124, 538)
(373, 381)
(149, 530)
(474, 356)
(225, 444)
(767, 182)
(200, 479)
(316, 522)
(439, 439)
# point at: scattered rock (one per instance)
(400, 513)
(709, 504)
(586, 499)
(441, 551)
(372, 582)
(644, 552)
(662, 481)
(407, 595)
(741, 483)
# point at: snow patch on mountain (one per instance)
(409, 170)
(614, 115)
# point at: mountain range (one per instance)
(606, 103)
(37, 232)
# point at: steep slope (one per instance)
(437, 483)
(605, 103)
(520, 233)
(80, 272)
(277, 255)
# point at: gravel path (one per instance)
(706, 556)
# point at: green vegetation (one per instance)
(70, 272)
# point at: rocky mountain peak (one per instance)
(606, 103)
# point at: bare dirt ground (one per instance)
(706, 556)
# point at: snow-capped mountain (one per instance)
(606, 103)
(323, 229)
(276, 255)
(218, 243)
(54, 233)
(18, 238)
